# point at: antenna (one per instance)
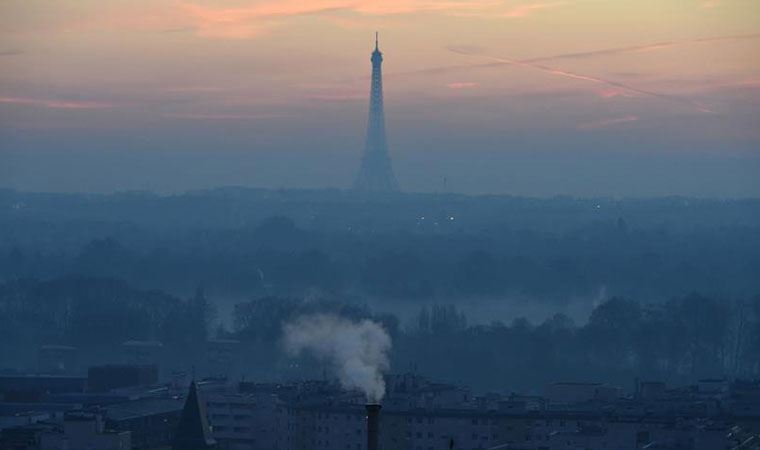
(376, 33)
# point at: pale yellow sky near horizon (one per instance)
(94, 54)
(638, 77)
(593, 64)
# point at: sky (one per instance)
(525, 97)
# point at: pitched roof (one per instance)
(193, 431)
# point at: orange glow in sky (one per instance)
(680, 69)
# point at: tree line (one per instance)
(678, 340)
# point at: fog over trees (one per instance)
(495, 292)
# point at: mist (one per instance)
(542, 173)
(301, 225)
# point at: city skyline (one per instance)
(380, 224)
(519, 97)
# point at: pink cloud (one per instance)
(251, 21)
(236, 19)
(462, 85)
(606, 123)
(194, 89)
(219, 116)
(613, 92)
(334, 92)
(351, 23)
(755, 83)
(54, 104)
(348, 97)
(530, 8)
(709, 4)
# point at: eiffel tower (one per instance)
(376, 173)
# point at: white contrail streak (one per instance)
(587, 78)
(586, 54)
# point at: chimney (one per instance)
(373, 426)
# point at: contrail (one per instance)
(643, 48)
(588, 78)
(587, 54)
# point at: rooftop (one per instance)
(144, 407)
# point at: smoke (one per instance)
(357, 351)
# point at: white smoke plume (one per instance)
(357, 351)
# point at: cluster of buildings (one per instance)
(126, 407)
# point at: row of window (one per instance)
(223, 429)
(321, 429)
(234, 416)
(431, 421)
(430, 435)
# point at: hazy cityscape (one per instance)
(521, 252)
(491, 320)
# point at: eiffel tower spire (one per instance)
(376, 172)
